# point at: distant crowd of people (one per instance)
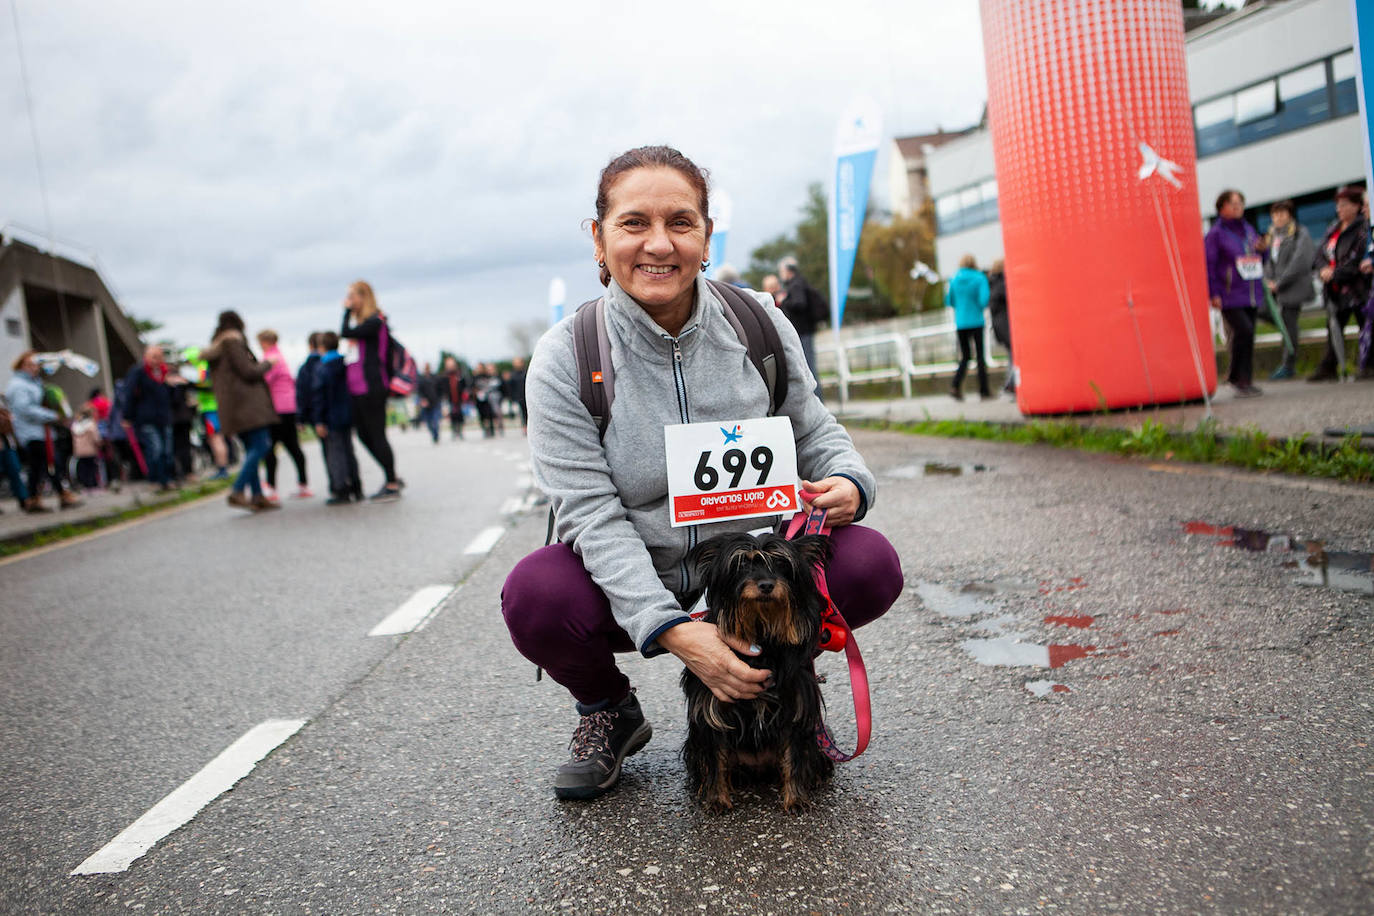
(1275, 275)
(243, 404)
(492, 395)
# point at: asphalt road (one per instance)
(1206, 749)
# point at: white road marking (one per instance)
(414, 612)
(485, 541)
(524, 482)
(185, 802)
(511, 506)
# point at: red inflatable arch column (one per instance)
(1092, 134)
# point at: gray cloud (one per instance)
(263, 155)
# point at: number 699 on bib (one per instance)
(731, 469)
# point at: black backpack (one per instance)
(596, 376)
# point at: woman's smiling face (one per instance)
(653, 240)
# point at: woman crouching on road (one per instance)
(245, 405)
(615, 581)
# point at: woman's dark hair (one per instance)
(228, 321)
(95, 392)
(1287, 206)
(648, 157)
(1226, 195)
(1351, 193)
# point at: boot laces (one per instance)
(593, 734)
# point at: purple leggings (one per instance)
(561, 621)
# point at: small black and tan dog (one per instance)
(763, 591)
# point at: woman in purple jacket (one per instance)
(1235, 282)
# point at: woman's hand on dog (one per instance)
(836, 495)
(711, 656)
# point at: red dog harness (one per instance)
(836, 634)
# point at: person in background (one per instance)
(245, 406)
(1288, 276)
(59, 434)
(365, 326)
(183, 404)
(805, 308)
(1344, 286)
(772, 287)
(208, 409)
(24, 394)
(148, 415)
(485, 392)
(86, 447)
(1366, 347)
(968, 294)
(1001, 319)
(1235, 282)
(9, 458)
(331, 407)
(427, 394)
(305, 386)
(281, 382)
(103, 407)
(453, 386)
(515, 390)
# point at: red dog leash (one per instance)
(835, 633)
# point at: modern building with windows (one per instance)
(1274, 110)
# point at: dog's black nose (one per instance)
(765, 586)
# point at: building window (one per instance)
(1289, 101)
(967, 207)
(1343, 82)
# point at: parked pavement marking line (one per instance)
(511, 506)
(1292, 483)
(484, 541)
(186, 801)
(414, 612)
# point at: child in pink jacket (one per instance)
(281, 382)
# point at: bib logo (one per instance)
(777, 498)
(732, 436)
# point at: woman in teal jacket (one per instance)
(967, 294)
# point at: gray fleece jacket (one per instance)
(611, 497)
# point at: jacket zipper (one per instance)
(684, 416)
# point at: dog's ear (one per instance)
(815, 549)
(701, 557)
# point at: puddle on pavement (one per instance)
(1043, 689)
(949, 603)
(1342, 571)
(935, 469)
(1011, 652)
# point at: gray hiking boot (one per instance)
(601, 743)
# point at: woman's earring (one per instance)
(705, 263)
(601, 264)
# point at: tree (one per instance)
(144, 326)
(806, 243)
(891, 250)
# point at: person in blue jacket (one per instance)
(331, 407)
(967, 294)
(305, 387)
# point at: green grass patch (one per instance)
(1248, 448)
(63, 532)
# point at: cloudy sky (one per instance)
(261, 155)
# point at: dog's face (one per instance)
(762, 589)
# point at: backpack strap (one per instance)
(592, 352)
(759, 336)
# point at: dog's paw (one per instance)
(718, 803)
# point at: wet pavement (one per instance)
(1089, 699)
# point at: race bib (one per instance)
(1250, 267)
(739, 469)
